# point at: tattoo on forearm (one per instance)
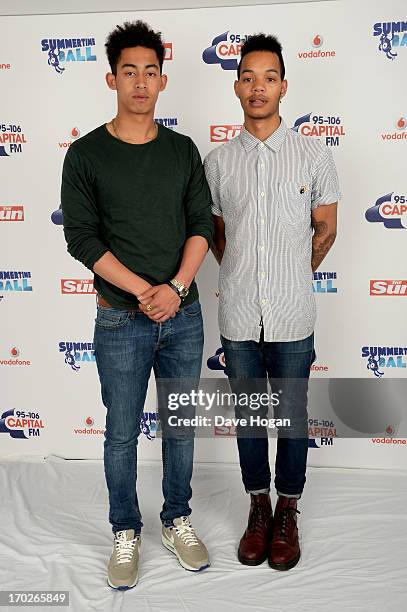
(321, 243)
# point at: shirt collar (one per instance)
(273, 142)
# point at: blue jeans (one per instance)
(128, 345)
(276, 360)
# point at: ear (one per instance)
(236, 88)
(111, 80)
(284, 87)
(164, 81)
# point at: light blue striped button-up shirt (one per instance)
(265, 192)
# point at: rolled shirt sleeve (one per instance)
(80, 212)
(325, 182)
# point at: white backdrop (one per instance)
(341, 86)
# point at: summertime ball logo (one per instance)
(390, 209)
(321, 126)
(76, 353)
(12, 139)
(169, 122)
(393, 34)
(317, 42)
(11, 280)
(64, 50)
(380, 358)
(21, 424)
(225, 50)
(325, 282)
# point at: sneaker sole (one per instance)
(169, 546)
(123, 587)
(282, 567)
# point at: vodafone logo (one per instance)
(168, 51)
(388, 287)
(77, 286)
(11, 213)
(224, 133)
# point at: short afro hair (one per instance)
(134, 34)
(262, 42)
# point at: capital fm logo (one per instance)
(13, 358)
(399, 131)
(392, 35)
(390, 209)
(388, 287)
(11, 213)
(74, 133)
(21, 424)
(328, 127)
(322, 430)
(63, 51)
(225, 50)
(57, 217)
(317, 42)
(224, 133)
(381, 358)
(12, 139)
(325, 282)
(77, 353)
(15, 281)
(75, 286)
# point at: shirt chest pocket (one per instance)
(294, 201)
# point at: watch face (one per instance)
(184, 292)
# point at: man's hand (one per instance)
(163, 300)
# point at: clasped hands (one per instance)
(159, 303)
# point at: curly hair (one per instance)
(262, 42)
(133, 34)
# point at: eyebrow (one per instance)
(134, 66)
(268, 70)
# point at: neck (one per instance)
(262, 128)
(135, 128)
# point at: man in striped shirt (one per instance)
(274, 197)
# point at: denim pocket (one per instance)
(192, 310)
(111, 318)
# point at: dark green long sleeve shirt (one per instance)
(140, 202)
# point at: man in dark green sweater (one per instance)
(137, 212)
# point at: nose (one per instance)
(141, 82)
(257, 86)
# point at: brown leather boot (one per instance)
(285, 549)
(255, 542)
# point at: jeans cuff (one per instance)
(295, 495)
(258, 491)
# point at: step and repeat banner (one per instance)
(346, 68)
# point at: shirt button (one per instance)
(262, 221)
(261, 145)
(263, 275)
(264, 301)
(262, 194)
(262, 248)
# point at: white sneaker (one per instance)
(122, 572)
(185, 544)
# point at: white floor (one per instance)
(54, 535)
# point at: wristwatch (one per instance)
(179, 288)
